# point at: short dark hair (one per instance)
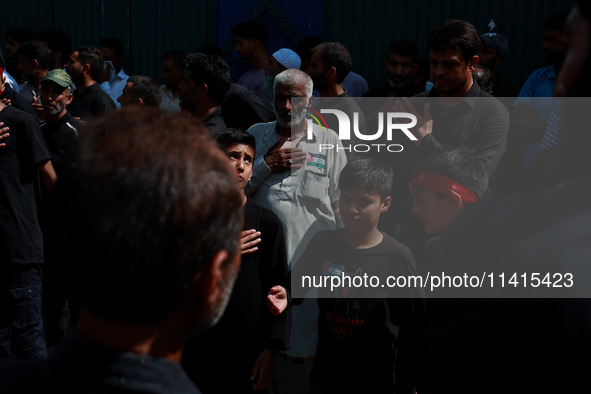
(209, 70)
(334, 54)
(94, 58)
(113, 43)
(455, 34)
(556, 22)
(373, 176)
(236, 136)
(483, 77)
(20, 34)
(57, 41)
(176, 55)
(146, 201)
(251, 29)
(457, 164)
(37, 50)
(404, 48)
(147, 89)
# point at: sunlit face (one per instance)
(127, 98)
(288, 114)
(171, 74)
(449, 72)
(360, 211)
(433, 212)
(400, 70)
(54, 98)
(241, 157)
(74, 67)
(244, 47)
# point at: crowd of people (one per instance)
(155, 238)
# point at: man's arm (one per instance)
(48, 175)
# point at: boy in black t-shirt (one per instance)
(368, 332)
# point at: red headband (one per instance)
(444, 185)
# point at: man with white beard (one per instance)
(298, 181)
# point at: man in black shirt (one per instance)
(206, 80)
(22, 159)
(85, 66)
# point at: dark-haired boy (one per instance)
(242, 360)
(366, 339)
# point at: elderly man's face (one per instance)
(290, 114)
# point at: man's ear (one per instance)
(202, 90)
(69, 98)
(331, 73)
(311, 101)
(473, 62)
(211, 277)
(139, 101)
(386, 204)
(86, 68)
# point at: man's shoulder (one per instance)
(260, 129)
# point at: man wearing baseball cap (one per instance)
(492, 53)
(60, 131)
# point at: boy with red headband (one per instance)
(442, 186)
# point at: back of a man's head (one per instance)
(36, 50)
(147, 89)
(334, 54)
(147, 202)
(458, 35)
(211, 71)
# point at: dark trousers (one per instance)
(21, 325)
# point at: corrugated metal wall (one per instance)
(149, 27)
(367, 27)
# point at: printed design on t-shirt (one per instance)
(317, 160)
(344, 321)
(332, 269)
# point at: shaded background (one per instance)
(150, 27)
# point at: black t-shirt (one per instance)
(90, 102)
(20, 236)
(246, 327)
(241, 108)
(365, 344)
(17, 100)
(60, 136)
